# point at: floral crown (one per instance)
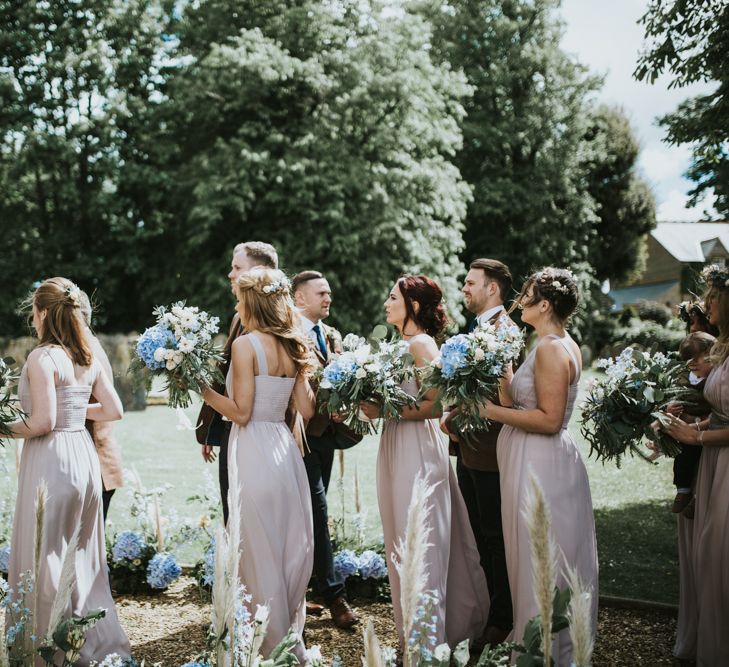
(73, 292)
(549, 278)
(716, 276)
(688, 309)
(275, 287)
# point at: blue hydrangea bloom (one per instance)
(196, 664)
(372, 565)
(208, 575)
(453, 354)
(150, 340)
(128, 545)
(339, 370)
(4, 559)
(162, 570)
(346, 563)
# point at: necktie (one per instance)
(320, 341)
(472, 325)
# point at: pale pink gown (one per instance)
(408, 449)
(557, 464)
(711, 533)
(277, 538)
(66, 460)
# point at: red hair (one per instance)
(431, 316)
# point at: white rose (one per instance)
(171, 365)
(479, 354)
(360, 374)
(177, 357)
(361, 354)
(159, 354)
(491, 346)
(169, 354)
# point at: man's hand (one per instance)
(338, 417)
(208, 453)
(371, 410)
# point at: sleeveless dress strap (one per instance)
(260, 354)
(578, 370)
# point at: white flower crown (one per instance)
(548, 277)
(274, 287)
(73, 292)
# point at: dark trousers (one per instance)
(318, 462)
(106, 499)
(684, 466)
(482, 493)
(223, 471)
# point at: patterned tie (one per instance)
(320, 341)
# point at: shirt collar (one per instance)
(309, 325)
(484, 317)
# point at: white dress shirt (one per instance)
(484, 317)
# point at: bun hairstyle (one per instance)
(430, 316)
(63, 324)
(266, 306)
(558, 286)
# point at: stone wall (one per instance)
(116, 346)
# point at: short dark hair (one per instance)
(304, 277)
(264, 254)
(496, 271)
(694, 344)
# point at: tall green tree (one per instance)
(624, 203)
(523, 132)
(73, 77)
(689, 40)
(327, 133)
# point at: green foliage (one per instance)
(523, 132)
(625, 206)
(652, 311)
(9, 410)
(688, 39)
(69, 638)
(649, 335)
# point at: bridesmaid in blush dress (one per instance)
(56, 383)
(535, 438)
(414, 446)
(706, 620)
(269, 364)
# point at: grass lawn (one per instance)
(635, 528)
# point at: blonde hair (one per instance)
(63, 324)
(719, 298)
(266, 306)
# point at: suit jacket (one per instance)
(211, 425)
(321, 422)
(102, 433)
(483, 457)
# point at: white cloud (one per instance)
(672, 208)
(661, 162)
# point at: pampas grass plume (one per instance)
(41, 498)
(410, 556)
(580, 618)
(372, 650)
(66, 584)
(158, 531)
(544, 557)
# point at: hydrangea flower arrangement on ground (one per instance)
(365, 574)
(620, 408)
(468, 370)
(179, 348)
(366, 371)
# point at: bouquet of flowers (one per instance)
(468, 370)
(179, 348)
(367, 371)
(9, 410)
(620, 408)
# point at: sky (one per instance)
(604, 35)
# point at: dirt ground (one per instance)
(169, 630)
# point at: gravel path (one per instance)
(169, 630)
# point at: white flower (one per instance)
(360, 374)
(177, 357)
(261, 613)
(179, 311)
(171, 364)
(479, 354)
(361, 354)
(159, 354)
(187, 344)
(169, 354)
(491, 345)
(442, 653)
(314, 656)
(170, 319)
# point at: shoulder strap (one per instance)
(260, 354)
(569, 351)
